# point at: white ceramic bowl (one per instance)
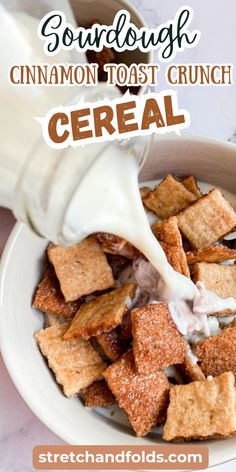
(208, 160)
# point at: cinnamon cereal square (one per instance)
(169, 236)
(220, 278)
(144, 398)
(81, 269)
(157, 342)
(207, 220)
(168, 198)
(176, 258)
(202, 409)
(215, 253)
(75, 363)
(102, 314)
(167, 231)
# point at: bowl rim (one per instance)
(195, 137)
(6, 255)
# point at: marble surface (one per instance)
(213, 113)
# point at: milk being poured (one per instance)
(67, 195)
(112, 203)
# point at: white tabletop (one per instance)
(213, 113)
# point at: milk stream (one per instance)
(112, 203)
(67, 195)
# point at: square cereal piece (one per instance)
(217, 354)
(176, 258)
(202, 409)
(191, 185)
(156, 341)
(214, 253)
(115, 245)
(75, 363)
(168, 232)
(144, 398)
(81, 269)
(169, 236)
(207, 220)
(112, 345)
(168, 198)
(102, 314)
(98, 395)
(220, 278)
(49, 299)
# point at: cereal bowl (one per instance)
(210, 161)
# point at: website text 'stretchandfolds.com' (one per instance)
(120, 457)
